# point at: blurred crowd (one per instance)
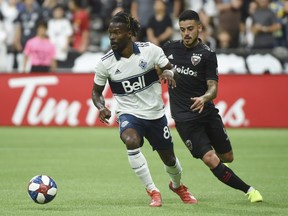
(54, 33)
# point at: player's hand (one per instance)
(197, 104)
(104, 115)
(168, 77)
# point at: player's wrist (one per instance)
(171, 72)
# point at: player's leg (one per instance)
(228, 177)
(174, 170)
(221, 143)
(197, 141)
(133, 139)
(223, 173)
(223, 153)
(160, 139)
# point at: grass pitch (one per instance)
(93, 177)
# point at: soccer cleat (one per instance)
(254, 196)
(183, 193)
(156, 200)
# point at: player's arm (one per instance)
(99, 102)
(169, 75)
(211, 93)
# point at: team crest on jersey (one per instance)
(142, 63)
(195, 59)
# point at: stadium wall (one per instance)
(65, 100)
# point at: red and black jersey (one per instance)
(195, 66)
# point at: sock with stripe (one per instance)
(175, 173)
(228, 177)
(139, 164)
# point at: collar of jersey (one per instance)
(182, 44)
(135, 51)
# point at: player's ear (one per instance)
(130, 34)
(200, 27)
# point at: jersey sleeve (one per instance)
(101, 74)
(159, 57)
(212, 67)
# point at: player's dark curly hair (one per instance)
(189, 15)
(132, 24)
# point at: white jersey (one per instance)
(134, 80)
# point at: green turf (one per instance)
(91, 170)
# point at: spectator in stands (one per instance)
(122, 5)
(10, 12)
(47, 9)
(3, 48)
(264, 24)
(40, 51)
(223, 40)
(160, 27)
(81, 26)
(142, 11)
(244, 15)
(207, 38)
(59, 32)
(26, 23)
(285, 21)
(248, 36)
(174, 8)
(229, 19)
(95, 7)
(277, 7)
(108, 7)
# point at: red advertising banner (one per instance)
(65, 100)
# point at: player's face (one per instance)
(189, 30)
(119, 36)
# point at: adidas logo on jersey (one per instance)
(117, 72)
(170, 56)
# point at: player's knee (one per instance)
(211, 159)
(132, 141)
(227, 158)
(131, 138)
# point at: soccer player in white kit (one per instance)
(130, 70)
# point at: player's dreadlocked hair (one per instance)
(132, 24)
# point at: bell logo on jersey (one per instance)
(195, 59)
(130, 87)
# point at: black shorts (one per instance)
(155, 131)
(205, 134)
(39, 68)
